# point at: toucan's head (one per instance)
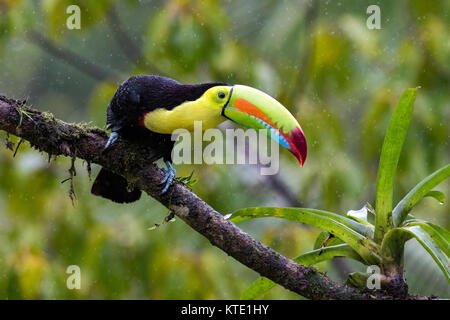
(255, 109)
(215, 102)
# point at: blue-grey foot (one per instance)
(112, 138)
(168, 178)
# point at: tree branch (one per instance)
(128, 46)
(82, 64)
(56, 137)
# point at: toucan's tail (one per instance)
(114, 187)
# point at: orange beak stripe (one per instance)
(249, 108)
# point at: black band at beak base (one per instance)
(226, 104)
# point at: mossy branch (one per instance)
(56, 137)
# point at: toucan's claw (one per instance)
(168, 178)
(112, 138)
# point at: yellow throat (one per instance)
(183, 116)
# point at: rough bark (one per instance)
(56, 137)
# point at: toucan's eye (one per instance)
(221, 94)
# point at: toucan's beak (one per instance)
(255, 109)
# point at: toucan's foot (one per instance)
(168, 178)
(112, 138)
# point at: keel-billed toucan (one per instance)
(147, 109)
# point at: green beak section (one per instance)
(255, 109)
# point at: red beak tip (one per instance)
(300, 161)
(299, 141)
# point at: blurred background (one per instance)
(340, 79)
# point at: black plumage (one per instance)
(141, 94)
(133, 99)
(114, 187)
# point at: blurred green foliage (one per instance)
(340, 79)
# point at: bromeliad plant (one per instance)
(371, 236)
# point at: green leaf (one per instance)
(393, 246)
(326, 239)
(261, 212)
(344, 228)
(263, 284)
(438, 234)
(421, 190)
(438, 195)
(390, 154)
(257, 288)
(443, 232)
(357, 279)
